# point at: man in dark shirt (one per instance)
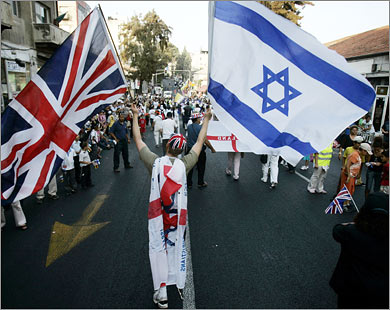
(192, 136)
(119, 133)
(186, 115)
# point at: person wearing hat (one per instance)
(119, 132)
(361, 276)
(167, 214)
(351, 169)
(193, 131)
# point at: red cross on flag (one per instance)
(223, 140)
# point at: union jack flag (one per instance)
(177, 141)
(336, 206)
(38, 127)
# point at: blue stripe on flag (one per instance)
(98, 43)
(55, 78)
(352, 89)
(252, 121)
(113, 81)
(11, 123)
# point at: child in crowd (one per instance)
(85, 164)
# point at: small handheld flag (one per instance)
(336, 206)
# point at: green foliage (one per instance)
(145, 46)
(287, 9)
(183, 62)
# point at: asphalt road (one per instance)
(251, 247)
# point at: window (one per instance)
(16, 8)
(42, 13)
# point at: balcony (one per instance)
(6, 15)
(48, 35)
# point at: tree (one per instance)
(145, 46)
(184, 62)
(287, 9)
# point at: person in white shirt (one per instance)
(68, 168)
(95, 138)
(76, 146)
(85, 163)
(368, 129)
(168, 128)
(157, 125)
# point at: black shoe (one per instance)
(54, 197)
(129, 167)
(116, 170)
(189, 186)
(40, 201)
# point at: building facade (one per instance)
(75, 12)
(29, 37)
(368, 53)
(199, 67)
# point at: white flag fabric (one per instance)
(223, 140)
(276, 87)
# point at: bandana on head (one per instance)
(177, 141)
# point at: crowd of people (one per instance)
(364, 156)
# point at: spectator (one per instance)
(351, 170)
(271, 165)
(157, 125)
(168, 128)
(321, 167)
(361, 276)
(385, 130)
(52, 192)
(385, 172)
(68, 168)
(193, 133)
(76, 146)
(20, 218)
(374, 171)
(234, 158)
(120, 135)
(85, 163)
(347, 139)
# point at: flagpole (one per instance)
(352, 199)
(113, 44)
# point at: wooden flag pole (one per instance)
(113, 44)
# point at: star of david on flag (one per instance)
(262, 90)
(275, 86)
(38, 127)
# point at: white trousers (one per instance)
(52, 189)
(157, 137)
(317, 179)
(20, 219)
(272, 164)
(234, 157)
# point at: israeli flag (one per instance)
(276, 87)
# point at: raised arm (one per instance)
(197, 148)
(136, 132)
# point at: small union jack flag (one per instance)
(38, 127)
(336, 206)
(177, 141)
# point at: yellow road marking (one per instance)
(66, 237)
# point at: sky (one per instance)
(326, 20)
